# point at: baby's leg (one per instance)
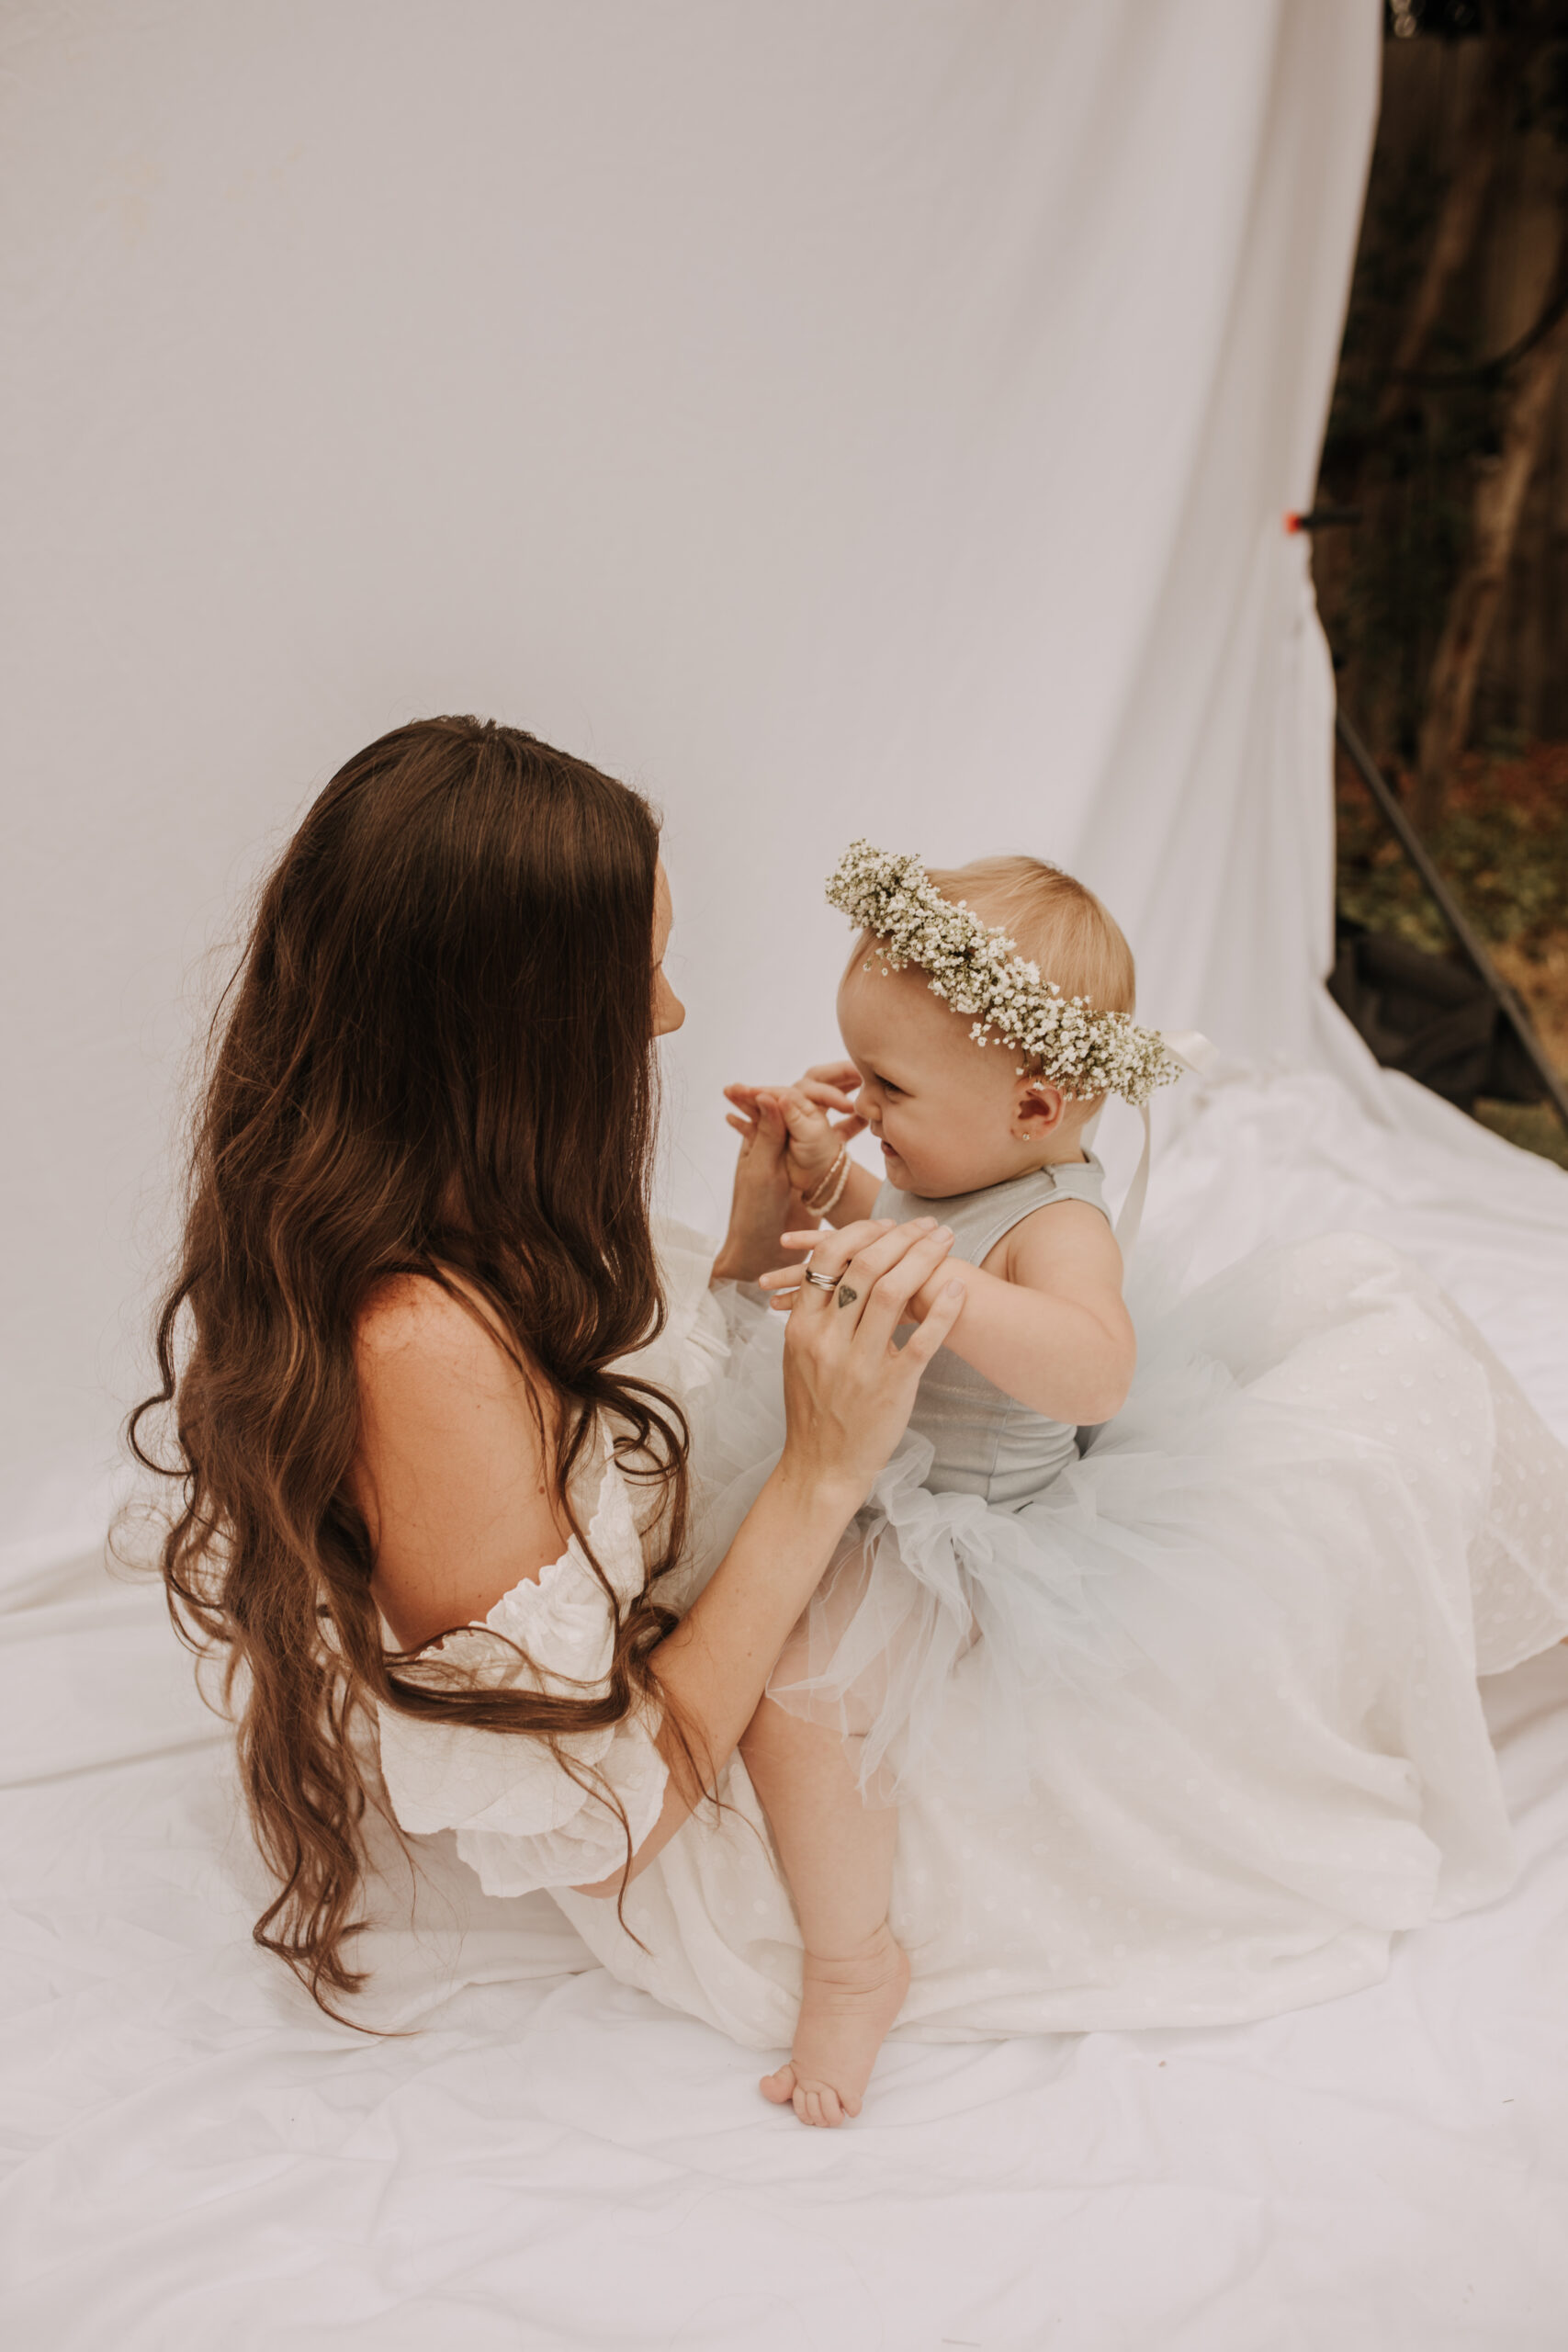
(837, 1856)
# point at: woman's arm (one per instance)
(451, 1475)
(763, 1204)
(849, 1390)
(714, 1667)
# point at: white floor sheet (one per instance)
(546, 2159)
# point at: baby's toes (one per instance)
(818, 2103)
(779, 2088)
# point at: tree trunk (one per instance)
(1494, 517)
(1453, 239)
(1480, 145)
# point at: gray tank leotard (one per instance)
(986, 1442)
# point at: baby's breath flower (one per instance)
(978, 970)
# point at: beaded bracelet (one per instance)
(840, 1169)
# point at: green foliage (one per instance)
(1534, 1127)
(1503, 850)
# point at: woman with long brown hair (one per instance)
(417, 1257)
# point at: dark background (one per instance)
(1445, 604)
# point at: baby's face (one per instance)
(940, 1106)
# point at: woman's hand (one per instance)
(812, 1140)
(848, 1387)
(848, 1390)
(762, 1202)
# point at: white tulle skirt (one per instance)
(1320, 1462)
(1189, 1739)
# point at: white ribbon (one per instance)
(1198, 1054)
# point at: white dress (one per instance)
(1324, 1510)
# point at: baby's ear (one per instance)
(1038, 1109)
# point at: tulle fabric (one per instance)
(1309, 1431)
(1255, 1747)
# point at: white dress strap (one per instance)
(1199, 1053)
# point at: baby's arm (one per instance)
(814, 1141)
(1044, 1317)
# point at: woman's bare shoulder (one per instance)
(410, 1322)
(452, 1466)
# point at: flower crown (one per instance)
(978, 970)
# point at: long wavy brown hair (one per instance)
(435, 1058)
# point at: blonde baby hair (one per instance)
(1057, 921)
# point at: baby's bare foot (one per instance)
(846, 2007)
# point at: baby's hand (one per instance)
(813, 1140)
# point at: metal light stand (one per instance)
(1471, 945)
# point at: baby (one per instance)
(1009, 953)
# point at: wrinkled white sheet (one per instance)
(551, 2160)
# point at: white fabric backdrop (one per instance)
(853, 416)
